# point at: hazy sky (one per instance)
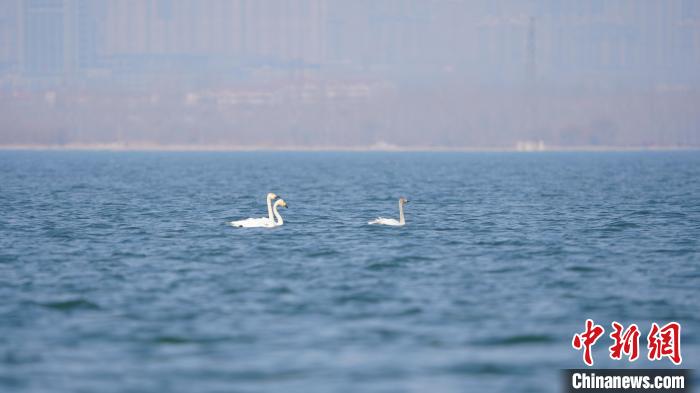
(335, 73)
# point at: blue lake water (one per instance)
(118, 272)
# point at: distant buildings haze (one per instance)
(362, 73)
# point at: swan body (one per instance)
(258, 222)
(252, 223)
(386, 221)
(391, 221)
(263, 222)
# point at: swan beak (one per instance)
(286, 205)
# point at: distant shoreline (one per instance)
(217, 148)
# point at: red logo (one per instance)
(625, 343)
(662, 342)
(665, 342)
(586, 340)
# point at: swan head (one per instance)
(272, 196)
(281, 202)
(403, 200)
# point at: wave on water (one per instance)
(71, 305)
(118, 268)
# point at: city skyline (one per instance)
(472, 74)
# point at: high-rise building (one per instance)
(243, 31)
(43, 37)
(85, 14)
(8, 36)
(58, 37)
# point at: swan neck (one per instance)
(269, 208)
(402, 220)
(279, 221)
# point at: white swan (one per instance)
(258, 222)
(264, 222)
(280, 221)
(391, 221)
